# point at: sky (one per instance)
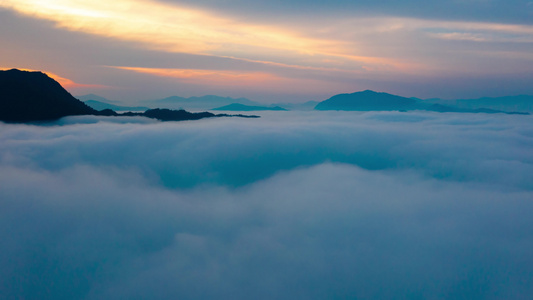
(273, 51)
(293, 205)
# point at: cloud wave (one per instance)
(294, 205)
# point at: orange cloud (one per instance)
(65, 82)
(343, 45)
(174, 28)
(211, 77)
(255, 81)
(162, 25)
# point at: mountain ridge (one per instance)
(367, 101)
(96, 98)
(378, 101)
(99, 105)
(243, 107)
(197, 102)
(33, 96)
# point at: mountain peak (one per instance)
(366, 100)
(243, 107)
(17, 72)
(198, 102)
(34, 96)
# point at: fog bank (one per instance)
(293, 205)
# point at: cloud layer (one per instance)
(512, 11)
(308, 205)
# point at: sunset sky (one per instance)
(273, 51)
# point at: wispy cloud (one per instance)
(460, 36)
(207, 76)
(176, 28)
(172, 27)
(251, 80)
(480, 32)
(341, 52)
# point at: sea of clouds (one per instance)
(307, 205)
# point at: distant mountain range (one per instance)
(309, 105)
(208, 102)
(99, 105)
(374, 101)
(521, 103)
(242, 107)
(96, 98)
(359, 101)
(198, 103)
(33, 96)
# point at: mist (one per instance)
(305, 205)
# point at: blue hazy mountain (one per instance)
(99, 105)
(33, 96)
(368, 101)
(445, 108)
(521, 103)
(96, 98)
(309, 105)
(374, 101)
(242, 107)
(195, 103)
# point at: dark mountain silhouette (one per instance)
(242, 107)
(163, 114)
(99, 105)
(367, 101)
(33, 96)
(170, 115)
(107, 112)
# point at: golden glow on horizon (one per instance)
(65, 82)
(245, 80)
(212, 77)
